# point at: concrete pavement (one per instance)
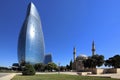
(7, 76)
(3, 74)
(70, 73)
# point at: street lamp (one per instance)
(59, 68)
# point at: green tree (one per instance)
(89, 63)
(93, 61)
(70, 65)
(67, 67)
(4, 68)
(113, 61)
(39, 67)
(62, 68)
(51, 66)
(99, 60)
(28, 70)
(15, 66)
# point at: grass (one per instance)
(58, 77)
(8, 71)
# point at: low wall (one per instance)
(98, 71)
(102, 71)
(95, 70)
(84, 73)
(118, 70)
(112, 70)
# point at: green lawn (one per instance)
(8, 71)
(58, 77)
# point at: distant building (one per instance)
(48, 58)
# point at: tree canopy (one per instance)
(93, 61)
(51, 66)
(113, 61)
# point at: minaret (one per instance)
(74, 54)
(93, 48)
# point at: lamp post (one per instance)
(59, 68)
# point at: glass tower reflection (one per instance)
(31, 39)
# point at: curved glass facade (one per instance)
(31, 40)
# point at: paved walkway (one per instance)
(7, 76)
(3, 74)
(70, 73)
(117, 76)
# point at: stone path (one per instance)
(7, 76)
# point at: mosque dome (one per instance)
(81, 57)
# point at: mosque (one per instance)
(77, 61)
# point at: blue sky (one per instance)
(65, 23)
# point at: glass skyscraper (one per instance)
(31, 40)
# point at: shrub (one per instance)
(28, 70)
(39, 67)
